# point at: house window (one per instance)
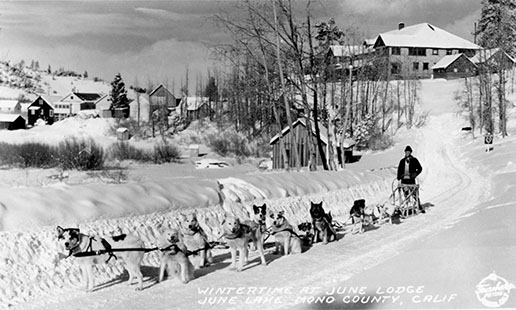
(415, 65)
(395, 68)
(396, 51)
(435, 51)
(425, 66)
(449, 52)
(51, 113)
(417, 51)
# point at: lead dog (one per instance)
(286, 238)
(322, 224)
(76, 243)
(196, 240)
(237, 237)
(174, 258)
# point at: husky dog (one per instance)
(286, 238)
(380, 212)
(259, 215)
(306, 229)
(321, 224)
(237, 237)
(357, 216)
(174, 259)
(196, 240)
(258, 218)
(76, 243)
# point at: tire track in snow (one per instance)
(458, 190)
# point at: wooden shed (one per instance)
(454, 67)
(12, 122)
(301, 131)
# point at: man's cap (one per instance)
(408, 148)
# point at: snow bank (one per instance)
(35, 265)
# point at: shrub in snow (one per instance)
(228, 142)
(83, 154)
(9, 154)
(34, 154)
(30, 154)
(126, 151)
(165, 152)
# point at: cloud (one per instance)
(160, 13)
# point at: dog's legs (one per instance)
(137, 271)
(131, 274)
(245, 255)
(259, 245)
(202, 260)
(88, 276)
(242, 254)
(286, 245)
(162, 270)
(325, 237)
(233, 258)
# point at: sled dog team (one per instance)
(176, 245)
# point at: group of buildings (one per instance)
(417, 51)
(15, 115)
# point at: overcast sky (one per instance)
(157, 40)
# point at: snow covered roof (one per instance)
(485, 54)
(348, 50)
(88, 96)
(8, 103)
(448, 60)
(195, 103)
(158, 87)
(7, 118)
(423, 35)
(302, 121)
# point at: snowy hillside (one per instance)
(27, 81)
(461, 184)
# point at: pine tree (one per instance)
(497, 25)
(118, 94)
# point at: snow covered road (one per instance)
(450, 187)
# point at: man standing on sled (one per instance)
(408, 169)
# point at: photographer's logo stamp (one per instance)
(493, 291)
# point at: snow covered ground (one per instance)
(432, 260)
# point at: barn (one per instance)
(301, 131)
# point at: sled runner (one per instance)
(406, 198)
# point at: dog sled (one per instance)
(405, 197)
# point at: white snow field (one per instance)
(434, 260)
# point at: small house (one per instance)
(195, 108)
(41, 108)
(12, 122)
(80, 101)
(454, 67)
(10, 106)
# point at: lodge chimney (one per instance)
(401, 25)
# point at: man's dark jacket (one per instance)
(414, 169)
